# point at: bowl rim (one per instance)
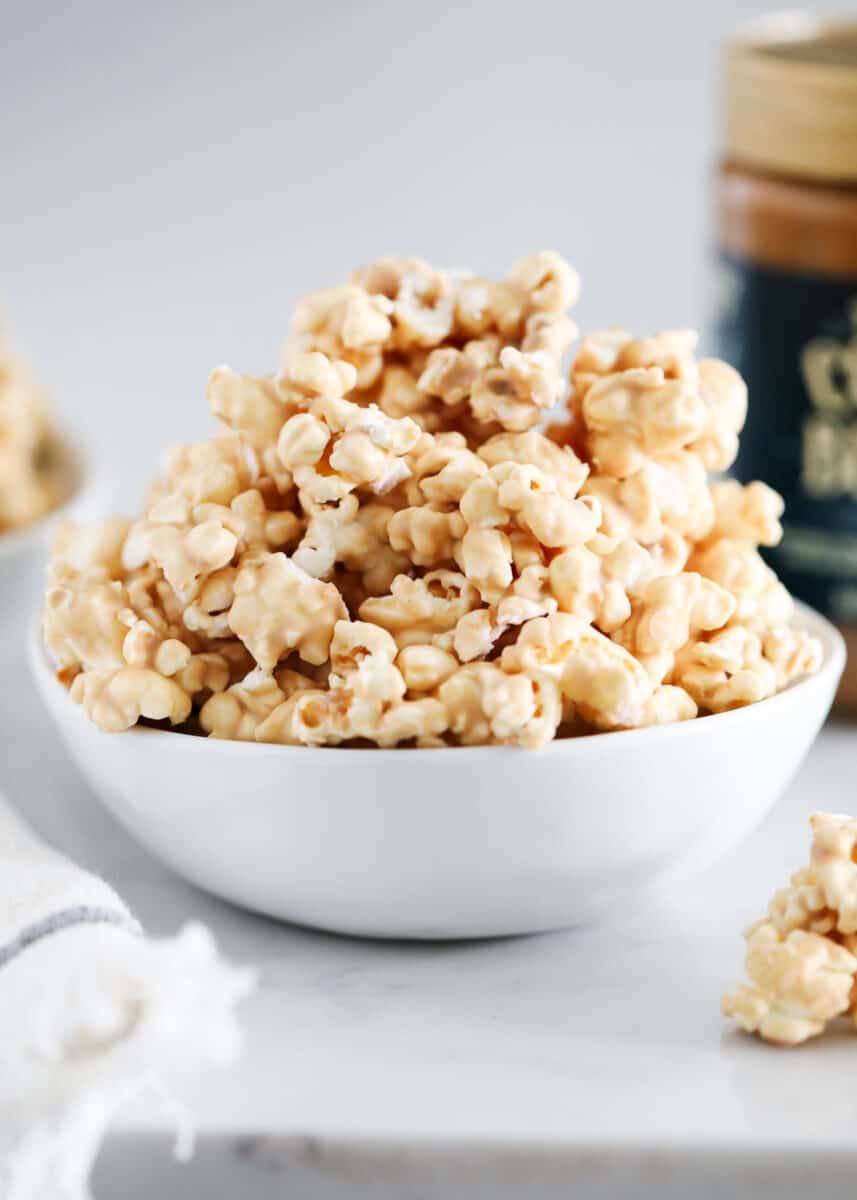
(86, 492)
(807, 618)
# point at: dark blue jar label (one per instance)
(794, 339)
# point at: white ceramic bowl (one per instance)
(23, 553)
(450, 843)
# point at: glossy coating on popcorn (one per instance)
(385, 544)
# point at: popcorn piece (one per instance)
(449, 375)
(663, 497)
(668, 704)
(344, 323)
(762, 601)
(116, 700)
(143, 647)
(205, 674)
(364, 685)
(529, 596)
(186, 551)
(485, 557)
(550, 283)
(91, 549)
(668, 613)
(792, 653)
(485, 704)
(442, 469)
(209, 472)
(342, 446)
(639, 414)
(422, 721)
(240, 710)
(417, 609)
(426, 536)
(725, 670)
(512, 493)
(597, 585)
(208, 614)
(800, 981)
(252, 407)
(533, 449)
(279, 608)
(425, 667)
(801, 959)
(424, 308)
(721, 396)
(257, 527)
(83, 624)
(724, 394)
(608, 687)
(828, 888)
(517, 391)
(751, 513)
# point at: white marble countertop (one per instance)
(595, 1057)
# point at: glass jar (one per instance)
(787, 293)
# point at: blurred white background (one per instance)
(176, 174)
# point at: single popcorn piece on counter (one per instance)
(414, 534)
(801, 959)
(799, 982)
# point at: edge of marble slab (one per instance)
(316, 1168)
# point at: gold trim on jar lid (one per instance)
(791, 96)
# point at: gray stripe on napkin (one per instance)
(82, 914)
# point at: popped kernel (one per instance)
(801, 958)
(639, 414)
(750, 513)
(761, 600)
(670, 612)
(799, 982)
(425, 667)
(240, 710)
(116, 700)
(512, 493)
(533, 449)
(248, 405)
(279, 608)
(485, 704)
(606, 684)
(415, 610)
(726, 670)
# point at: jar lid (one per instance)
(791, 96)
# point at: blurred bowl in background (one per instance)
(24, 550)
(450, 843)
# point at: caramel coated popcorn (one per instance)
(386, 543)
(801, 958)
(36, 471)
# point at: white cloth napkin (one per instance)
(91, 1013)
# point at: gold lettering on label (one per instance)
(829, 436)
